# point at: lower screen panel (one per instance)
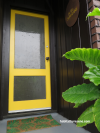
(29, 88)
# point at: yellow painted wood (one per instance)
(29, 104)
(29, 72)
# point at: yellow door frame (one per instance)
(29, 104)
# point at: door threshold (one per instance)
(28, 113)
(15, 111)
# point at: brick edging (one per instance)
(94, 24)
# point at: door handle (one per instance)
(47, 58)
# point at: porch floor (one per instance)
(64, 128)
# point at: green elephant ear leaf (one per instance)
(81, 93)
(86, 117)
(89, 65)
(77, 105)
(96, 111)
(95, 12)
(93, 74)
(90, 56)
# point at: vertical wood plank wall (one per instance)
(69, 73)
(1, 23)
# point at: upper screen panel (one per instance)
(29, 42)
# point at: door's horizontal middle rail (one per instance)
(29, 72)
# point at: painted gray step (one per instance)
(64, 128)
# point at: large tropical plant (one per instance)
(86, 92)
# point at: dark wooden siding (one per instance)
(69, 73)
(1, 23)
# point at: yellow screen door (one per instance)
(29, 69)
